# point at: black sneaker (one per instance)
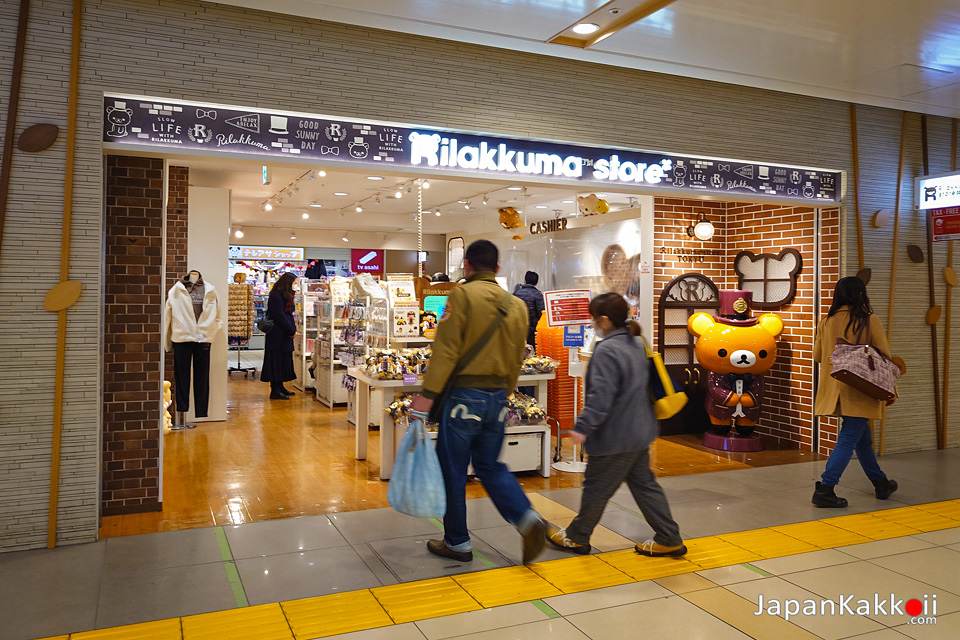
(440, 548)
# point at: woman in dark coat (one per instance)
(278, 348)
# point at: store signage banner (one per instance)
(266, 253)
(366, 260)
(938, 192)
(568, 307)
(573, 336)
(332, 141)
(946, 223)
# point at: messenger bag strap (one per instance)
(503, 309)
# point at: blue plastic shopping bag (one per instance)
(416, 484)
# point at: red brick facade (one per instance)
(788, 405)
(133, 280)
(178, 186)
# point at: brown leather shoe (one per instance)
(440, 548)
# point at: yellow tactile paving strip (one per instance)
(871, 526)
(581, 573)
(263, 622)
(424, 599)
(820, 534)
(397, 604)
(509, 585)
(338, 613)
(768, 543)
(159, 630)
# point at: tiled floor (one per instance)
(371, 569)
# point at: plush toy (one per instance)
(737, 350)
(510, 219)
(428, 324)
(167, 399)
(591, 205)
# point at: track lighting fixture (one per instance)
(425, 184)
(377, 198)
(437, 212)
(293, 235)
(313, 175)
(467, 205)
(485, 199)
(345, 237)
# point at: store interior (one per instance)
(254, 459)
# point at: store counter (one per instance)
(390, 433)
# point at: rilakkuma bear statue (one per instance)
(591, 205)
(737, 350)
(510, 219)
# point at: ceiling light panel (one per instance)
(608, 19)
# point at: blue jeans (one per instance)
(854, 436)
(472, 427)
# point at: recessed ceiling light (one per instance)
(359, 209)
(340, 193)
(585, 28)
(316, 204)
(438, 212)
(425, 184)
(305, 216)
(567, 201)
(238, 233)
(541, 206)
(398, 194)
(374, 178)
(322, 173)
(514, 188)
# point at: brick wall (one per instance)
(131, 342)
(788, 406)
(672, 216)
(830, 270)
(178, 187)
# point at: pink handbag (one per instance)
(865, 369)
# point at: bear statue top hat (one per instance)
(735, 308)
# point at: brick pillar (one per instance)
(178, 186)
(133, 278)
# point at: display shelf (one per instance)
(368, 411)
(334, 300)
(409, 340)
(306, 301)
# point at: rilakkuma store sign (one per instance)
(134, 122)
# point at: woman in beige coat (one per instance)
(851, 318)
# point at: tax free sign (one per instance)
(130, 121)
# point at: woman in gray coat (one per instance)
(617, 426)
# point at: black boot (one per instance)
(823, 496)
(884, 488)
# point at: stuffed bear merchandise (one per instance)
(737, 350)
(591, 205)
(510, 219)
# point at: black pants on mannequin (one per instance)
(197, 355)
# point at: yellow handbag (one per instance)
(667, 401)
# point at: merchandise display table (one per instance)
(388, 429)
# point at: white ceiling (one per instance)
(248, 195)
(891, 53)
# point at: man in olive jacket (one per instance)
(472, 422)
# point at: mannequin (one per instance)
(191, 323)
